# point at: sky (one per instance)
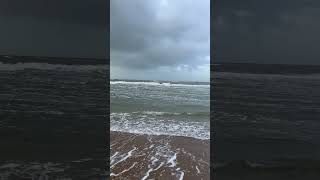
(260, 31)
(160, 40)
(58, 28)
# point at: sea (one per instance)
(160, 108)
(53, 121)
(265, 116)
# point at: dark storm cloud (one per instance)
(164, 33)
(91, 12)
(267, 31)
(75, 28)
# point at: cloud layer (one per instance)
(72, 28)
(272, 31)
(165, 35)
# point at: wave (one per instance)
(157, 113)
(154, 83)
(160, 123)
(265, 75)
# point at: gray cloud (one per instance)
(160, 34)
(72, 28)
(70, 11)
(267, 31)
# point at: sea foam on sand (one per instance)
(158, 157)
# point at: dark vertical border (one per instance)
(108, 89)
(32, 135)
(212, 46)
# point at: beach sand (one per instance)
(139, 156)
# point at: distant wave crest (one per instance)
(154, 83)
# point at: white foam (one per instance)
(129, 154)
(126, 170)
(181, 176)
(114, 154)
(172, 160)
(147, 174)
(154, 125)
(160, 156)
(161, 164)
(158, 113)
(198, 171)
(112, 159)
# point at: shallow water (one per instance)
(170, 108)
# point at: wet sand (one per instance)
(137, 156)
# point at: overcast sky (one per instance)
(267, 31)
(160, 40)
(59, 28)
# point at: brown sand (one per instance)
(136, 156)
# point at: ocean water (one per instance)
(51, 121)
(268, 117)
(160, 108)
